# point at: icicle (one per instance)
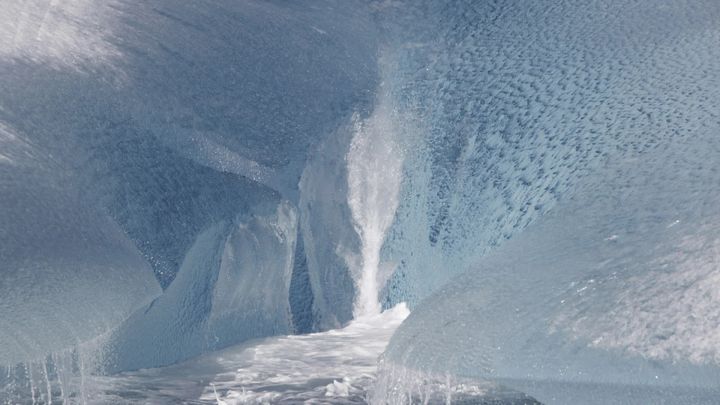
(28, 369)
(48, 399)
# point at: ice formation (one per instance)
(152, 156)
(69, 273)
(518, 102)
(609, 298)
(594, 125)
(535, 179)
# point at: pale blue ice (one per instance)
(538, 181)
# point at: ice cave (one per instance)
(377, 202)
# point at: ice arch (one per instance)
(143, 142)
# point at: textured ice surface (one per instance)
(72, 34)
(612, 293)
(235, 149)
(169, 137)
(597, 120)
(516, 102)
(69, 273)
(232, 286)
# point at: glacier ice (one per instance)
(534, 178)
(69, 273)
(516, 103)
(170, 139)
(232, 286)
(609, 298)
(325, 214)
(593, 125)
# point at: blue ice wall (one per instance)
(514, 103)
(187, 156)
(568, 172)
(169, 138)
(69, 273)
(233, 285)
(610, 298)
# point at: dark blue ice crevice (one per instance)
(301, 293)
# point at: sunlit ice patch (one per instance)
(70, 34)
